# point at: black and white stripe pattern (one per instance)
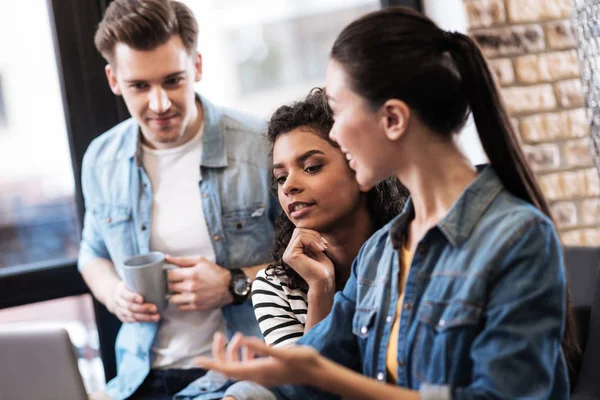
(280, 311)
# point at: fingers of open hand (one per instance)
(185, 262)
(233, 349)
(218, 347)
(226, 359)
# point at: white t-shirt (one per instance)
(179, 229)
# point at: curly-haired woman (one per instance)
(325, 220)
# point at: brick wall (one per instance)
(531, 46)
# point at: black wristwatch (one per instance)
(239, 285)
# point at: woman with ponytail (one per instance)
(464, 294)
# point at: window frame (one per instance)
(90, 108)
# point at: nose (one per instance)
(291, 185)
(159, 100)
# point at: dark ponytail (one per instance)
(399, 53)
(500, 143)
(493, 124)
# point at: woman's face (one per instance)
(315, 187)
(358, 130)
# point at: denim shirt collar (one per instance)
(464, 214)
(213, 143)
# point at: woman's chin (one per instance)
(365, 182)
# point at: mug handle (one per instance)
(166, 268)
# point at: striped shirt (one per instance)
(280, 311)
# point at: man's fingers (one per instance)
(180, 275)
(131, 296)
(184, 261)
(181, 299)
(124, 315)
(146, 308)
(184, 286)
(192, 307)
(121, 303)
(139, 317)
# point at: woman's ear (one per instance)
(396, 115)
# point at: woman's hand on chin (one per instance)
(306, 255)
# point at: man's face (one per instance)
(158, 89)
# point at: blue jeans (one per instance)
(163, 384)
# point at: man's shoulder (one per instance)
(244, 136)
(235, 121)
(111, 144)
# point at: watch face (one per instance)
(241, 287)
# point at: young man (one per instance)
(181, 176)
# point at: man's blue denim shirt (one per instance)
(484, 305)
(237, 202)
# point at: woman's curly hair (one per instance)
(384, 201)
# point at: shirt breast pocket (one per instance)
(116, 225)
(249, 233)
(363, 325)
(445, 332)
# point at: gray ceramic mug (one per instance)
(146, 274)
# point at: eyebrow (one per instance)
(170, 76)
(301, 157)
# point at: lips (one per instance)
(298, 209)
(164, 120)
(350, 158)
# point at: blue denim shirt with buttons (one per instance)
(484, 305)
(238, 206)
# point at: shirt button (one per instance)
(389, 319)
(442, 323)
(380, 376)
(143, 227)
(216, 238)
(364, 330)
(205, 195)
(108, 220)
(401, 363)
(407, 306)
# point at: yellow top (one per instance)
(392, 350)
